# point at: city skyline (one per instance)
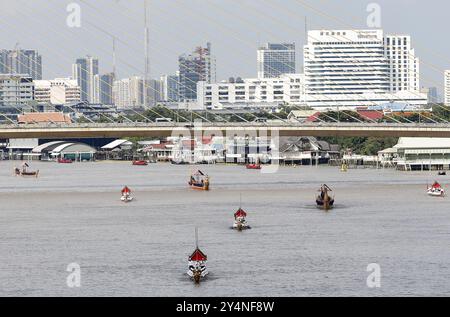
(235, 51)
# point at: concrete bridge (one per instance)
(120, 130)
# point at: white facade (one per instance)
(170, 87)
(252, 93)
(348, 68)
(15, 90)
(274, 60)
(57, 91)
(128, 93)
(403, 65)
(447, 88)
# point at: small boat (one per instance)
(324, 200)
(240, 223)
(199, 180)
(197, 263)
(442, 173)
(62, 160)
(140, 163)
(256, 165)
(436, 190)
(126, 195)
(25, 172)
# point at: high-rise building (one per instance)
(103, 87)
(350, 68)
(169, 88)
(58, 91)
(153, 88)
(18, 61)
(15, 90)
(403, 65)
(447, 88)
(84, 71)
(275, 60)
(433, 95)
(195, 67)
(129, 93)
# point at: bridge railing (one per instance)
(172, 125)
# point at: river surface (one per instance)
(72, 214)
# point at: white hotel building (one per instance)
(350, 68)
(58, 91)
(252, 93)
(129, 93)
(447, 88)
(342, 69)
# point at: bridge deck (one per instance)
(174, 129)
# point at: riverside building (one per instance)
(58, 91)
(275, 60)
(350, 68)
(252, 93)
(16, 91)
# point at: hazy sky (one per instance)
(234, 27)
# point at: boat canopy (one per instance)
(240, 213)
(126, 190)
(436, 185)
(198, 256)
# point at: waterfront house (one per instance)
(248, 150)
(120, 149)
(306, 151)
(159, 151)
(423, 153)
(74, 151)
(194, 151)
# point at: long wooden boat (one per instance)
(140, 163)
(199, 181)
(65, 161)
(18, 172)
(197, 263)
(324, 200)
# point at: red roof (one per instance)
(43, 117)
(371, 114)
(161, 145)
(314, 117)
(189, 144)
(207, 139)
(198, 256)
(240, 213)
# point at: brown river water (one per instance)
(72, 213)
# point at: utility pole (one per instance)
(147, 51)
(114, 57)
